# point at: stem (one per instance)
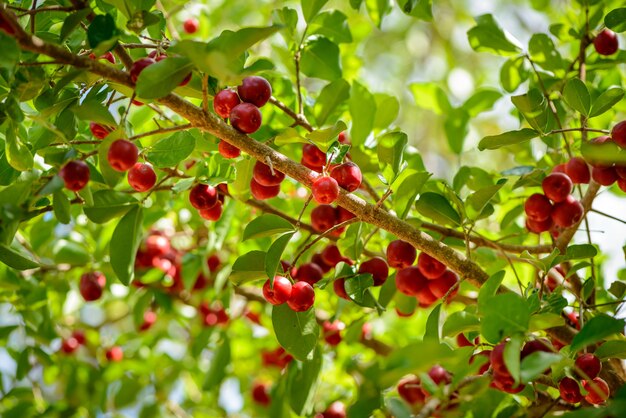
(162, 131)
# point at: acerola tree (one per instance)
(279, 247)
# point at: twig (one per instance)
(161, 131)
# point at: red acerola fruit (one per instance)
(538, 226)
(343, 138)
(606, 42)
(618, 134)
(313, 156)
(255, 90)
(79, 335)
(400, 254)
(590, 365)
(203, 196)
(142, 177)
(348, 176)
(122, 155)
(621, 172)
(572, 319)
(213, 213)
(344, 214)
(325, 190)
(224, 102)
(621, 183)
(430, 267)
(280, 293)
(440, 286)
(497, 359)
(138, 66)
(213, 262)
(302, 297)
(410, 389)
(260, 192)
(336, 409)
(149, 318)
(485, 353)
(462, 341)
(559, 168)
(264, 175)
(107, 56)
(99, 131)
(533, 346)
(191, 25)
(538, 207)
(332, 331)
(578, 170)
(569, 390)
(69, 345)
(598, 391)
(340, 289)
(75, 175)
(323, 217)
(310, 273)
(227, 150)
(377, 267)
(319, 260)
(410, 281)
(506, 383)
(605, 176)
(568, 212)
(261, 393)
(439, 375)
(115, 354)
(332, 256)
(424, 296)
(246, 118)
(557, 186)
(91, 285)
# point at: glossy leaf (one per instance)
(124, 244)
(172, 150)
(297, 332)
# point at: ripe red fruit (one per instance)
(263, 175)
(99, 131)
(506, 383)
(598, 391)
(213, 262)
(332, 331)
(323, 218)
(325, 190)
(70, 345)
(439, 375)
(344, 214)
(410, 389)
(138, 66)
(618, 134)
(317, 259)
(538, 207)
(430, 267)
(533, 346)
(590, 365)
(572, 319)
(108, 56)
(424, 296)
(227, 150)
(263, 192)
(255, 90)
(348, 176)
(410, 281)
(224, 102)
(115, 353)
(213, 213)
(280, 293)
(462, 341)
(278, 357)
(340, 289)
(578, 171)
(310, 273)
(149, 318)
(203, 196)
(313, 156)
(440, 286)
(497, 359)
(400, 254)
(621, 183)
(538, 226)
(75, 175)
(606, 42)
(559, 168)
(302, 297)
(261, 393)
(569, 390)
(568, 212)
(79, 336)
(122, 155)
(343, 138)
(157, 245)
(91, 285)
(246, 118)
(191, 25)
(331, 256)
(141, 177)
(377, 267)
(335, 410)
(621, 171)
(605, 176)
(557, 186)
(485, 353)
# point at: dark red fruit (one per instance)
(590, 365)
(138, 66)
(191, 25)
(538, 207)
(506, 383)
(340, 289)
(557, 186)
(605, 176)
(70, 345)
(141, 177)
(227, 150)
(157, 245)
(255, 90)
(332, 331)
(400, 254)
(213, 213)
(410, 281)
(621, 171)
(606, 42)
(313, 156)
(430, 267)
(410, 389)
(203, 196)
(462, 341)
(439, 375)
(344, 214)
(621, 183)
(108, 56)
(568, 212)
(122, 155)
(261, 393)
(485, 353)
(325, 190)
(424, 296)
(280, 293)
(186, 80)
(319, 260)
(440, 286)
(538, 226)
(569, 390)
(533, 346)
(224, 102)
(335, 410)
(598, 391)
(559, 168)
(79, 336)
(75, 175)
(263, 192)
(578, 170)
(213, 262)
(263, 175)
(246, 118)
(618, 133)
(343, 138)
(149, 318)
(323, 218)
(332, 256)
(91, 285)
(302, 297)
(310, 273)
(99, 131)
(497, 360)
(115, 354)
(348, 176)
(378, 268)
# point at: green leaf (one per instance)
(265, 226)
(616, 20)
(302, 382)
(513, 73)
(488, 36)
(219, 363)
(481, 197)
(606, 101)
(420, 9)
(504, 315)
(543, 52)
(296, 332)
(10, 51)
(456, 127)
(351, 244)
(387, 108)
(357, 288)
(331, 96)
(170, 151)
(406, 188)
(94, 111)
(534, 107)
(536, 364)
(363, 112)
(275, 252)
(390, 149)
(310, 9)
(102, 34)
(438, 208)
(481, 101)
(17, 153)
(461, 321)
(431, 96)
(321, 59)
(248, 267)
(73, 21)
(15, 260)
(158, 80)
(240, 188)
(507, 138)
(432, 324)
(108, 204)
(612, 349)
(69, 252)
(124, 244)
(596, 329)
(325, 137)
(575, 252)
(577, 96)
(333, 25)
(61, 207)
(191, 267)
(545, 320)
(511, 356)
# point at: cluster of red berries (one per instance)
(92, 285)
(107, 56)
(606, 42)
(266, 180)
(72, 343)
(314, 158)
(410, 388)
(597, 389)
(325, 217)
(213, 314)
(208, 201)
(276, 358)
(332, 331)
(299, 297)
(375, 266)
(191, 25)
